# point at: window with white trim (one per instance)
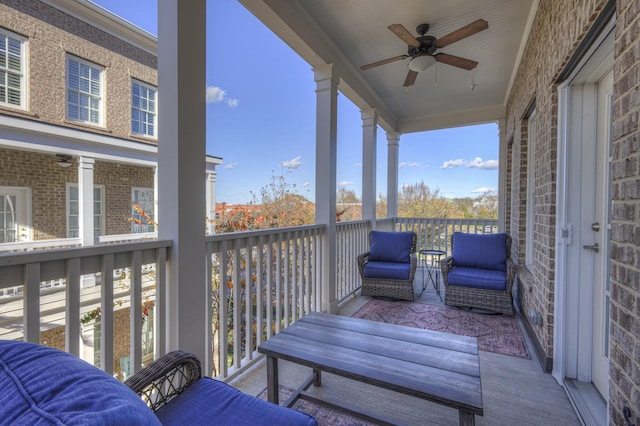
(142, 197)
(73, 210)
(12, 69)
(143, 109)
(84, 91)
(531, 201)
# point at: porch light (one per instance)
(63, 160)
(421, 63)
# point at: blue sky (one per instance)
(261, 119)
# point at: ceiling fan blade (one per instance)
(456, 61)
(411, 78)
(384, 61)
(459, 34)
(404, 34)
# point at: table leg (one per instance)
(272, 380)
(318, 380)
(467, 418)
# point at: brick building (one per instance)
(78, 110)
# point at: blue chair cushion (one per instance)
(45, 386)
(210, 401)
(387, 270)
(487, 279)
(390, 246)
(488, 251)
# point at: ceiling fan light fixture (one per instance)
(421, 63)
(63, 160)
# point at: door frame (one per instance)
(577, 95)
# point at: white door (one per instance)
(15, 218)
(601, 236)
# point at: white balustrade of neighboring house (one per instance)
(260, 281)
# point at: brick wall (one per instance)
(48, 183)
(52, 35)
(625, 245)
(560, 25)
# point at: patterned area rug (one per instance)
(325, 416)
(495, 333)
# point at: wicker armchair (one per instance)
(388, 268)
(479, 273)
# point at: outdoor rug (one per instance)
(495, 333)
(324, 415)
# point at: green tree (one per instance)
(418, 200)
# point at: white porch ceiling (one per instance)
(351, 33)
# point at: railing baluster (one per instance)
(223, 334)
(72, 307)
(248, 291)
(259, 289)
(278, 283)
(106, 308)
(135, 311)
(31, 318)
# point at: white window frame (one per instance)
(147, 111)
(83, 93)
(22, 209)
(149, 209)
(99, 218)
(531, 203)
(21, 74)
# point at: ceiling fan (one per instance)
(422, 49)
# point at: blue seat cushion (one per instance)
(484, 251)
(390, 246)
(45, 386)
(210, 401)
(387, 270)
(487, 279)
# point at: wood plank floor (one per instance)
(515, 391)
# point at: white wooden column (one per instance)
(211, 201)
(85, 200)
(327, 81)
(156, 196)
(181, 160)
(393, 147)
(502, 175)
(369, 131)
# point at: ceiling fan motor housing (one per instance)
(427, 46)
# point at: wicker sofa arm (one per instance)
(511, 275)
(445, 266)
(362, 260)
(165, 378)
(413, 263)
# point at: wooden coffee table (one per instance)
(439, 367)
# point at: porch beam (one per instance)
(369, 149)
(502, 174)
(327, 80)
(393, 148)
(181, 159)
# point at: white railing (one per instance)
(434, 233)
(352, 239)
(37, 310)
(262, 281)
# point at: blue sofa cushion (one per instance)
(487, 251)
(390, 246)
(45, 386)
(221, 404)
(488, 279)
(387, 270)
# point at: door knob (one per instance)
(595, 247)
(595, 226)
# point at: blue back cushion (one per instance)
(390, 246)
(45, 386)
(488, 251)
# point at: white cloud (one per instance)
(306, 184)
(478, 163)
(216, 94)
(357, 164)
(483, 190)
(231, 165)
(293, 164)
(452, 163)
(404, 164)
(344, 183)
